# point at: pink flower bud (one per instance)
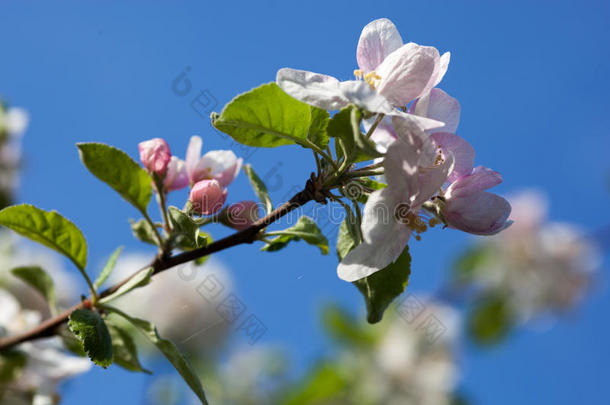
(155, 155)
(207, 197)
(241, 215)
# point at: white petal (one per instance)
(378, 39)
(385, 239)
(360, 93)
(312, 88)
(400, 168)
(406, 72)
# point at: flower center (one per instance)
(372, 78)
(404, 215)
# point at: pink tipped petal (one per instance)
(312, 88)
(461, 150)
(481, 179)
(207, 197)
(480, 213)
(176, 177)
(378, 39)
(406, 72)
(440, 106)
(193, 154)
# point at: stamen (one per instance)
(358, 73)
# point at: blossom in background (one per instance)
(13, 123)
(393, 73)
(47, 363)
(539, 266)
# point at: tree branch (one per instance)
(162, 263)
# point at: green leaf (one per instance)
(140, 279)
(185, 229)
(124, 349)
(259, 188)
(305, 229)
(324, 385)
(491, 320)
(268, 117)
(345, 329)
(38, 279)
(12, 363)
(169, 350)
(70, 341)
(357, 147)
(317, 129)
(380, 288)
(91, 330)
(143, 231)
(48, 228)
(348, 237)
(107, 270)
(119, 171)
(470, 262)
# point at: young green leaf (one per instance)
(305, 229)
(170, 351)
(143, 231)
(259, 188)
(268, 117)
(38, 279)
(142, 278)
(125, 349)
(380, 288)
(325, 384)
(91, 330)
(107, 270)
(119, 171)
(184, 227)
(48, 228)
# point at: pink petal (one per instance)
(480, 213)
(481, 179)
(461, 150)
(378, 39)
(440, 106)
(176, 177)
(193, 154)
(406, 72)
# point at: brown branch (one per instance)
(162, 263)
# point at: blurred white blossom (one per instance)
(542, 266)
(47, 364)
(182, 302)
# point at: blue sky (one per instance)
(532, 79)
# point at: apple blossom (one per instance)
(414, 171)
(155, 155)
(393, 75)
(221, 165)
(207, 197)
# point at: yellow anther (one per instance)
(372, 78)
(358, 73)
